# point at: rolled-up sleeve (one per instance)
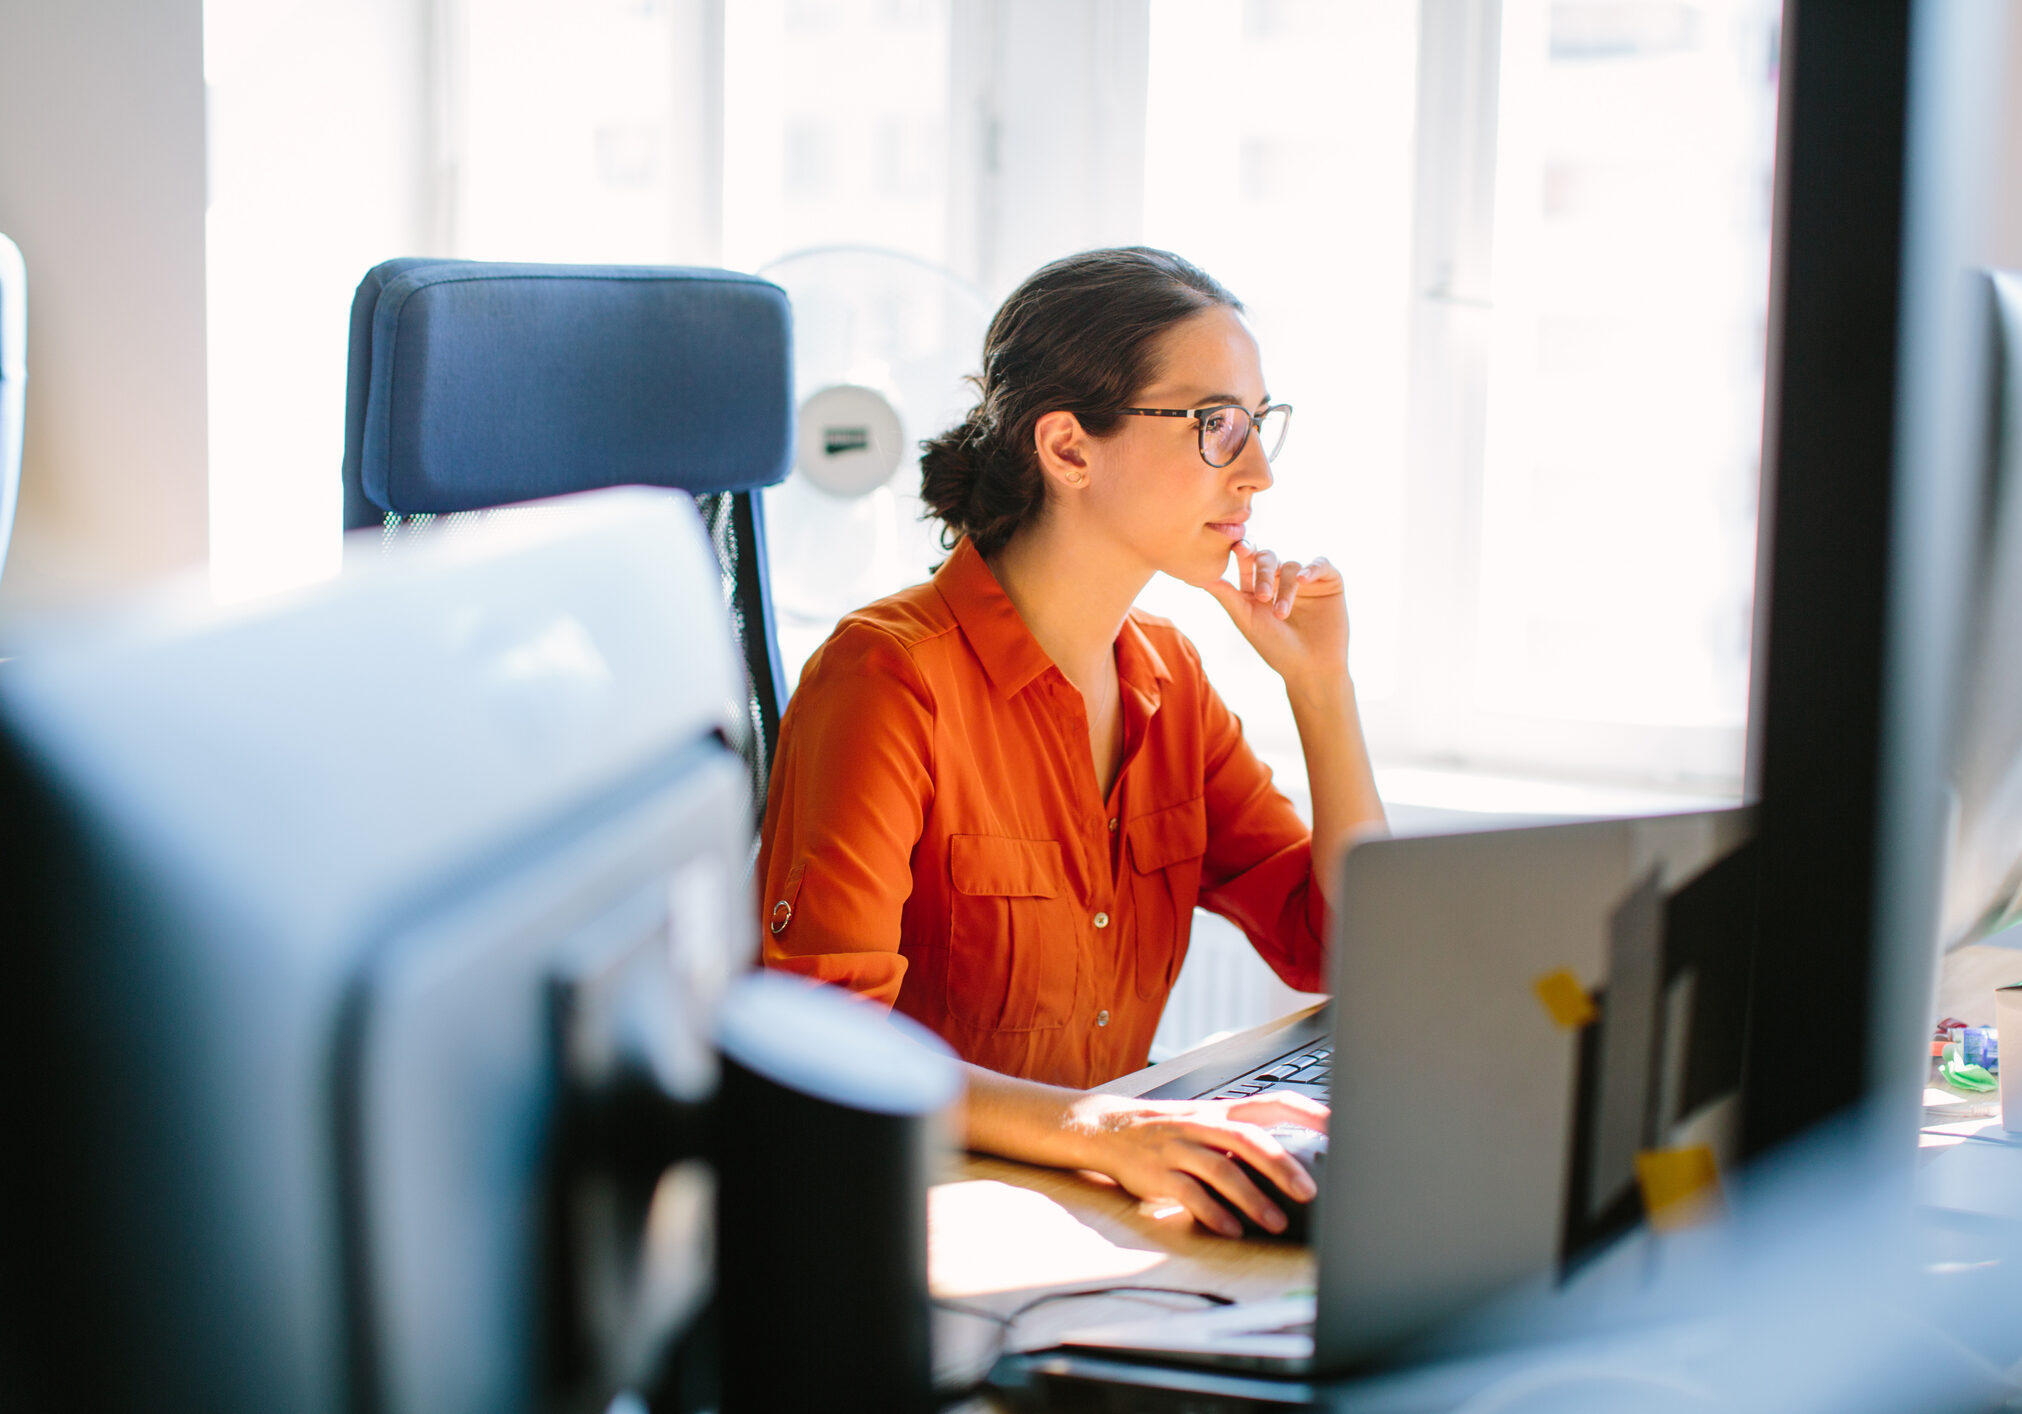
(848, 795)
(1258, 870)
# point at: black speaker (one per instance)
(830, 1119)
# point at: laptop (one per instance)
(1523, 1020)
(1299, 1058)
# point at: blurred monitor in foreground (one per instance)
(1983, 880)
(1873, 497)
(339, 927)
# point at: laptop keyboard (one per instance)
(1309, 1070)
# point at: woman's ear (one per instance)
(1063, 449)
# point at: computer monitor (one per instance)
(1873, 451)
(337, 927)
(1983, 873)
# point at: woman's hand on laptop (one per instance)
(1181, 1151)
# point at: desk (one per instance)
(1000, 1233)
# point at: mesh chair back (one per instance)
(476, 385)
(737, 530)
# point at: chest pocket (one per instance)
(1166, 847)
(1014, 961)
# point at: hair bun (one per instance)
(950, 466)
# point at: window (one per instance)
(1622, 425)
(1514, 278)
(1598, 323)
(317, 170)
(1508, 258)
(1278, 156)
(569, 132)
(835, 126)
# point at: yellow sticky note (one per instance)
(1565, 998)
(1680, 1186)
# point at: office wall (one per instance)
(102, 186)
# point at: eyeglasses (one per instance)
(1225, 429)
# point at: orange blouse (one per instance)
(934, 838)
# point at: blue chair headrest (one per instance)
(475, 384)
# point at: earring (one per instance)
(1075, 478)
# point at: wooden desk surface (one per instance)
(1001, 1233)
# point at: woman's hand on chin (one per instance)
(1295, 615)
(1180, 1150)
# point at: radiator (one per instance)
(1223, 986)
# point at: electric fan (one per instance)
(881, 341)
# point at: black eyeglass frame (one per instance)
(1252, 419)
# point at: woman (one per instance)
(998, 795)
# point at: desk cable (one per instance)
(1004, 1322)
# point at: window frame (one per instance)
(1431, 719)
(1046, 108)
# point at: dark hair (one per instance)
(1078, 336)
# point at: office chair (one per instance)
(476, 385)
(13, 383)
